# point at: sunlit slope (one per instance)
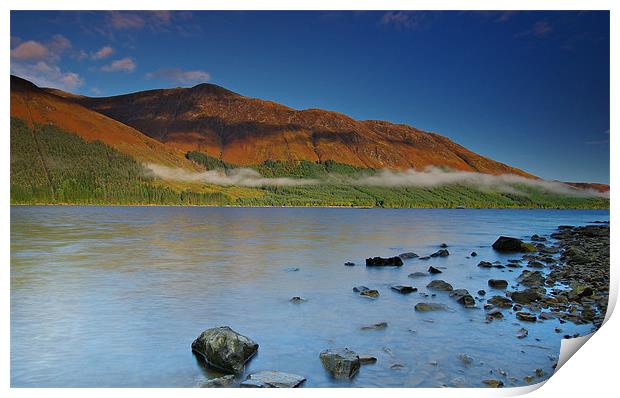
(36, 106)
(248, 131)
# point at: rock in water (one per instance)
(494, 313)
(225, 349)
(441, 253)
(384, 262)
(417, 274)
(272, 379)
(424, 307)
(433, 270)
(522, 333)
(507, 244)
(498, 283)
(526, 316)
(494, 383)
(218, 382)
(527, 296)
(341, 363)
(404, 289)
(297, 300)
(439, 284)
(443, 245)
(349, 264)
(370, 293)
(463, 297)
(376, 326)
(358, 289)
(531, 278)
(408, 255)
(367, 359)
(499, 301)
(473, 254)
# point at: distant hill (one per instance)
(73, 149)
(246, 131)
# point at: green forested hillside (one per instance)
(51, 166)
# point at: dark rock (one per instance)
(485, 264)
(424, 307)
(225, 349)
(507, 244)
(404, 289)
(441, 253)
(272, 379)
(466, 359)
(370, 293)
(494, 313)
(493, 383)
(297, 300)
(425, 258)
(531, 278)
(499, 301)
(535, 264)
(358, 289)
(408, 255)
(349, 264)
(481, 292)
(536, 238)
(527, 296)
(526, 316)
(522, 333)
(463, 297)
(340, 363)
(367, 359)
(417, 274)
(433, 270)
(376, 326)
(498, 283)
(473, 254)
(443, 245)
(384, 262)
(439, 284)
(219, 382)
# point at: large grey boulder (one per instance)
(225, 349)
(341, 363)
(272, 379)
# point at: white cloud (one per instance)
(120, 65)
(29, 51)
(38, 62)
(180, 76)
(44, 74)
(102, 53)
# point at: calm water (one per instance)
(114, 296)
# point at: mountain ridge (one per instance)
(243, 130)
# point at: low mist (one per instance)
(243, 177)
(433, 177)
(430, 177)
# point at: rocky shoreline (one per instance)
(566, 279)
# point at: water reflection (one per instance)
(114, 296)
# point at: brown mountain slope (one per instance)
(247, 131)
(32, 104)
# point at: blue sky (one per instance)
(530, 89)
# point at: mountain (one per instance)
(34, 105)
(147, 147)
(247, 131)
